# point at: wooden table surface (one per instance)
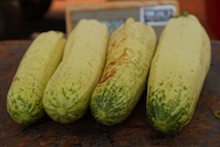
(203, 129)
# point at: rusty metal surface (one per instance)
(203, 129)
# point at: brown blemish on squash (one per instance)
(111, 68)
(200, 61)
(116, 43)
(123, 39)
(15, 78)
(122, 58)
(113, 62)
(119, 60)
(113, 44)
(107, 76)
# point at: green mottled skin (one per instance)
(24, 99)
(177, 74)
(171, 114)
(67, 94)
(130, 51)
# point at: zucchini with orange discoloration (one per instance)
(130, 51)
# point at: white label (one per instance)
(157, 15)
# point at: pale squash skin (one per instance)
(177, 74)
(24, 99)
(68, 92)
(130, 51)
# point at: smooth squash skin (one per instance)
(24, 99)
(68, 92)
(177, 74)
(130, 51)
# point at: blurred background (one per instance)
(23, 19)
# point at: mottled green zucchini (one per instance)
(67, 94)
(130, 51)
(24, 100)
(177, 74)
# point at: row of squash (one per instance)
(109, 74)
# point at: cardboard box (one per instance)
(114, 13)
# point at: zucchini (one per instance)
(24, 99)
(177, 74)
(68, 92)
(130, 51)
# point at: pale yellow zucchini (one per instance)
(24, 100)
(177, 74)
(67, 94)
(130, 51)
